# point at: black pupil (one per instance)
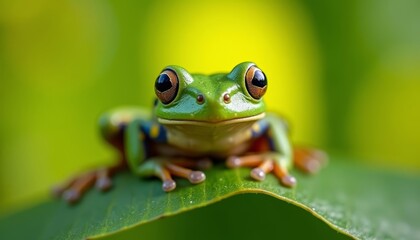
(259, 79)
(163, 83)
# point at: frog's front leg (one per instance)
(264, 163)
(165, 168)
(276, 159)
(159, 166)
(276, 155)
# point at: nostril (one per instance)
(226, 98)
(200, 99)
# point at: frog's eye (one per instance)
(166, 86)
(256, 82)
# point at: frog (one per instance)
(197, 120)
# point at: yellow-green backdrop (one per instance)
(346, 74)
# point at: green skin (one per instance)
(208, 127)
(184, 107)
(198, 118)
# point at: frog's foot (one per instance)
(73, 190)
(263, 164)
(309, 160)
(165, 168)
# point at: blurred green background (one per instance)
(345, 73)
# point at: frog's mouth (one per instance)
(207, 136)
(254, 118)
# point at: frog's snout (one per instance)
(201, 99)
(216, 108)
(226, 98)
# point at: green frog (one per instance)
(196, 119)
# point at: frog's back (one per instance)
(113, 122)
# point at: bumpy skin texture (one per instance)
(197, 118)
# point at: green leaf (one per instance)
(356, 201)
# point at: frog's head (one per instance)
(212, 99)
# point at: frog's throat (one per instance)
(209, 138)
(209, 123)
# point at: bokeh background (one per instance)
(345, 73)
